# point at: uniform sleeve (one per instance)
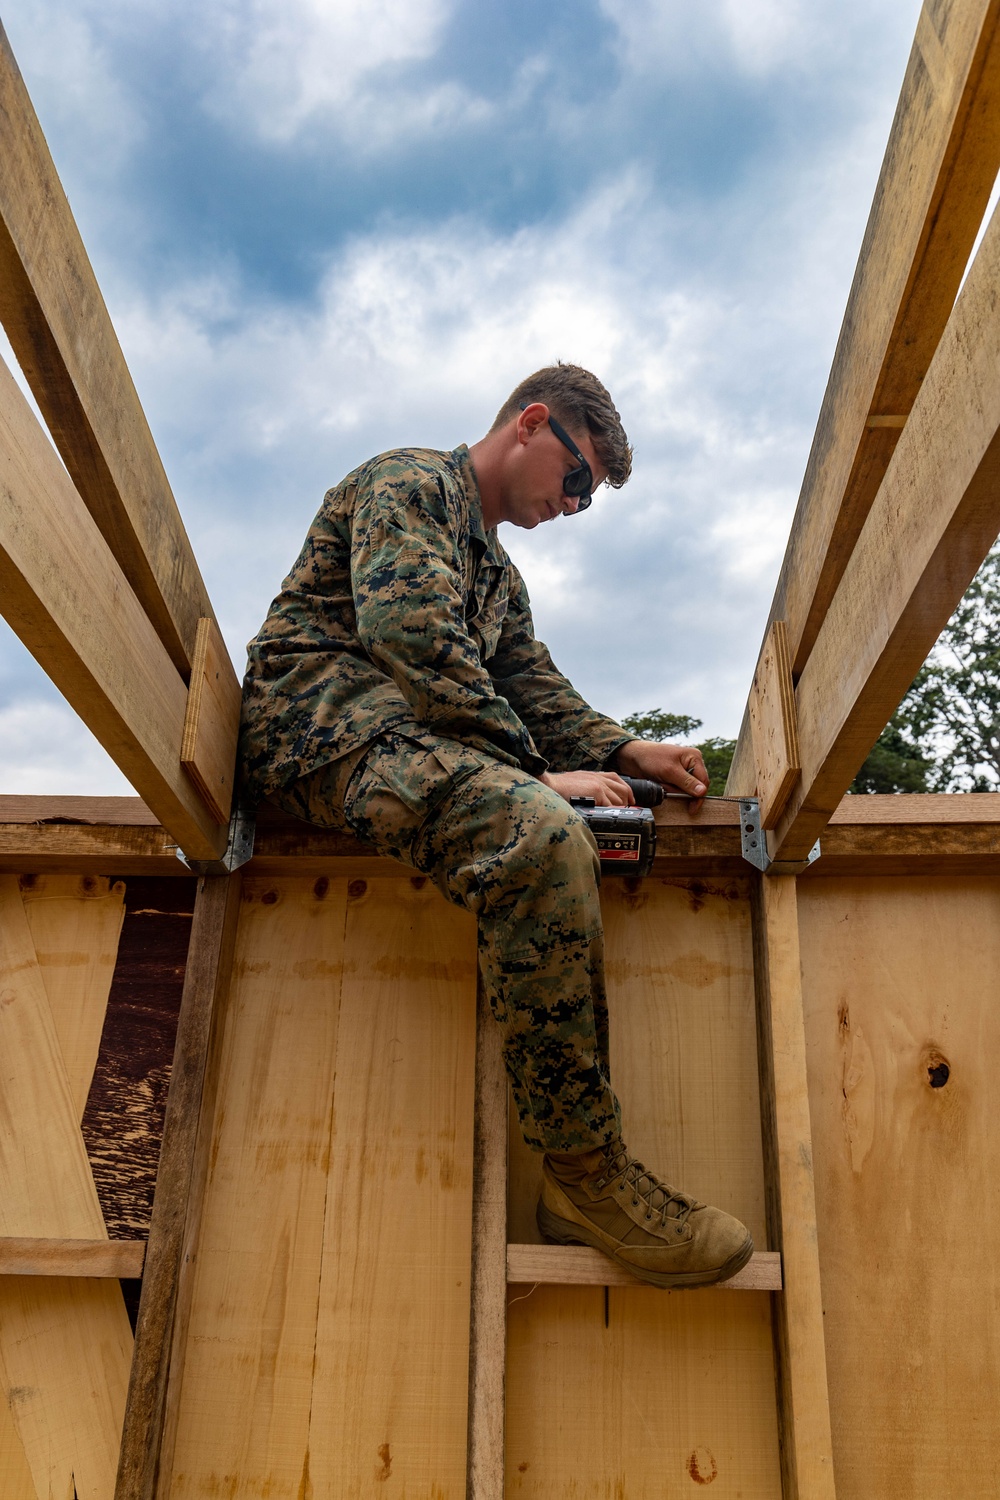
(574, 736)
(408, 575)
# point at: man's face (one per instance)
(533, 489)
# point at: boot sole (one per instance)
(563, 1232)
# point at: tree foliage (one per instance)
(945, 736)
(655, 724)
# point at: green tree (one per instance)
(945, 736)
(655, 724)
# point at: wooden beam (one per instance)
(939, 168)
(772, 726)
(20, 1256)
(59, 328)
(173, 1233)
(65, 596)
(212, 722)
(918, 834)
(488, 1310)
(578, 1265)
(800, 1350)
(934, 520)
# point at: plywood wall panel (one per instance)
(900, 992)
(245, 1396)
(75, 922)
(65, 1345)
(392, 1355)
(678, 1390)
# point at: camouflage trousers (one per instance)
(504, 846)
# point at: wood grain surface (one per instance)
(58, 325)
(579, 1265)
(243, 1423)
(803, 1397)
(903, 1036)
(64, 594)
(632, 1391)
(390, 1398)
(65, 1343)
(934, 519)
(27, 1256)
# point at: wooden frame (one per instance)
(898, 507)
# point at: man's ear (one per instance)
(534, 416)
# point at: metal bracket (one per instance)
(238, 850)
(754, 844)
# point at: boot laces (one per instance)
(623, 1172)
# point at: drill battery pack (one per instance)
(626, 836)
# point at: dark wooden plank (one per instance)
(180, 1182)
(123, 1118)
(118, 811)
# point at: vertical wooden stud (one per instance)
(180, 1183)
(488, 1316)
(800, 1349)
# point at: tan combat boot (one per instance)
(607, 1199)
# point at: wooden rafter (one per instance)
(933, 521)
(58, 325)
(63, 593)
(939, 167)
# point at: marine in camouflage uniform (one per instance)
(396, 689)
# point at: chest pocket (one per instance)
(487, 609)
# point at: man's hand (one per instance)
(680, 766)
(606, 788)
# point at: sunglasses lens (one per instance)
(577, 481)
(583, 502)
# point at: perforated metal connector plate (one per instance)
(238, 850)
(752, 840)
(754, 844)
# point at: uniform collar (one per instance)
(486, 542)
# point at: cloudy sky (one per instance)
(329, 227)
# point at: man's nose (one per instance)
(570, 504)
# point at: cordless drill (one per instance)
(626, 836)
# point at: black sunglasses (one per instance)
(579, 482)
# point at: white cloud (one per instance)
(283, 63)
(46, 751)
(417, 337)
(759, 38)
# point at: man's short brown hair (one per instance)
(578, 400)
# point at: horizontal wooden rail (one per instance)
(939, 167)
(945, 834)
(935, 518)
(63, 593)
(59, 328)
(578, 1265)
(51, 1257)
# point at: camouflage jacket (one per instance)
(401, 608)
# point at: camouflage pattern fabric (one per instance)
(504, 846)
(402, 608)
